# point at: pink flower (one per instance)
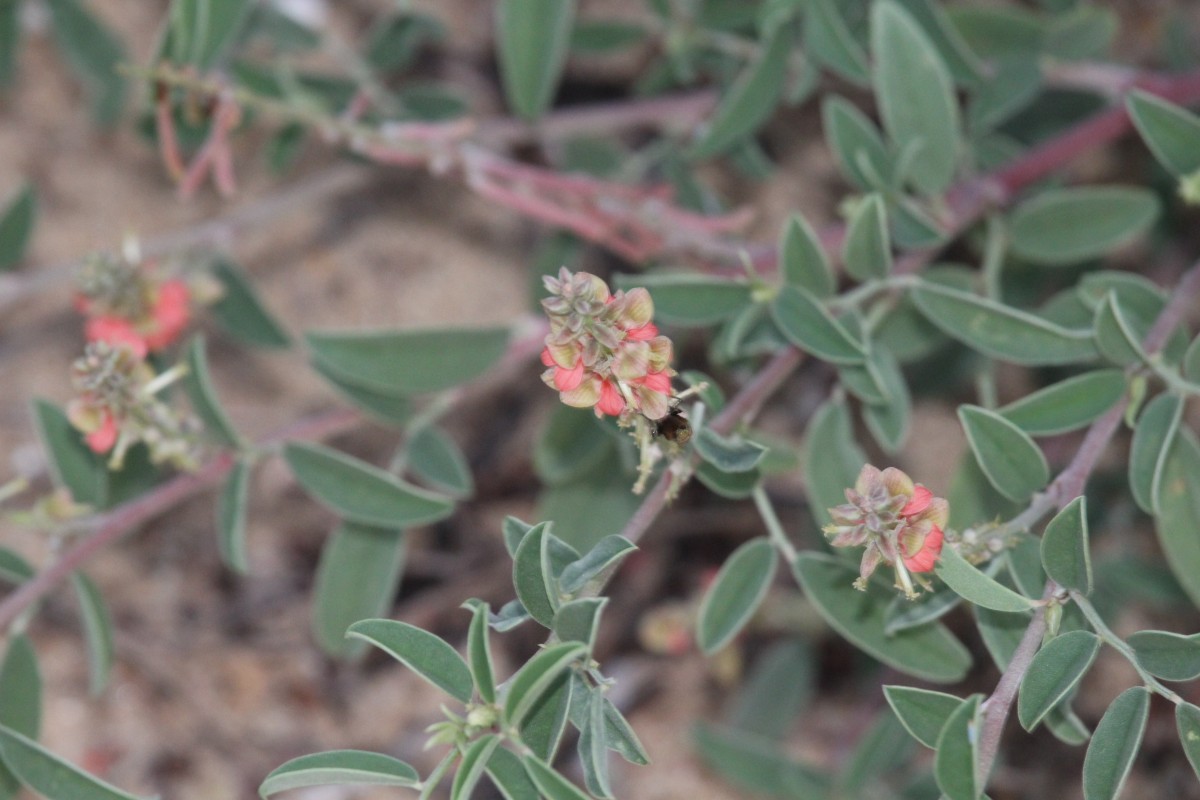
(103, 438)
(921, 497)
(170, 315)
(611, 402)
(926, 556)
(118, 332)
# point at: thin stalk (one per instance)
(1117, 643)
(770, 519)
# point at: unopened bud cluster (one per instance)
(116, 407)
(900, 523)
(603, 350)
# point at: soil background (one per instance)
(218, 680)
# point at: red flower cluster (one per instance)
(899, 522)
(603, 352)
(160, 323)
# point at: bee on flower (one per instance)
(898, 521)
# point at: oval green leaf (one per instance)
(832, 459)
(361, 492)
(421, 651)
(538, 675)
(976, 587)
(735, 594)
(97, 629)
(533, 586)
(1067, 405)
(242, 312)
(1065, 553)
(749, 102)
(16, 226)
(605, 555)
(471, 768)
(408, 362)
(579, 620)
(1013, 464)
(1172, 133)
(1000, 331)
(203, 395)
(532, 38)
(928, 651)
(1066, 226)
(867, 250)
(1054, 672)
(856, 143)
(231, 517)
(1153, 437)
(357, 578)
(922, 712)
(339, 768)
(916, 97)
(954, 761)
(691, 300)
(728, 453)
(49, 775)
(508, 773)
(437, 460)
(802, 259)
(1187, 723)
(552, 785)
(808, 325)
(827, 38)
(1178, 516)
(1115, 744)
(479, 654)
(1169, 656)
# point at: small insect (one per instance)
(673, 427)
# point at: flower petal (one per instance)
(584, 395)
(642, 333)
(566, 380)
(103, 438)
(897, 482)
(926, 557)
(918, 502)
(117, 332)
(611, 402)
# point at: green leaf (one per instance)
(20, 690)
(241, 311)
(1067, 405)
(1083, 32)
(602, 36)
(97, 628)
(47, 774)
(1151, 449)
(422, 652)
(1169, 656)
(570, 445)
(749, 102)
(1178, 516)
(735, 594)
(1001, 331)
(832, 459)
(860, 151)
(976, 587)
(889, 421)
(1013, 86)
(231, 517)
(922, 712)
(621, 736)
(361, 492)
(14, 568)
(579, 620)
(1187, 723)
(10, 44)
(339, 768)
(605, 555)
(802, 259)
(544, 725)
(16, 225)
(999, 32)
(916, 97)
(1001, 633)
(1116, 338)
(357, 578)
(479, 654)
(808, 325)
(532, 38)
(535, 589)
(884, 748)
(509, 775)
(539, 674)
(867, 251)
(1172, 133)
(903, 613)
(1191, 361)
(389, 409)
(728, 453)
(954, 761)
(203, 395)
(1013, 464)
(470, 770)
(1054, 672)
(1115, 744)
(435, 458)
(829, 41)
(408, 362)
(1065, 553)
(94, 52)
(929, 651)
(593, 749)
(201, 31)
(552, 785)
(72, 464)
(777, 688)
(691, 300)
(730, 485)
(755, 764)
(1066, 726)
(1066, 226)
